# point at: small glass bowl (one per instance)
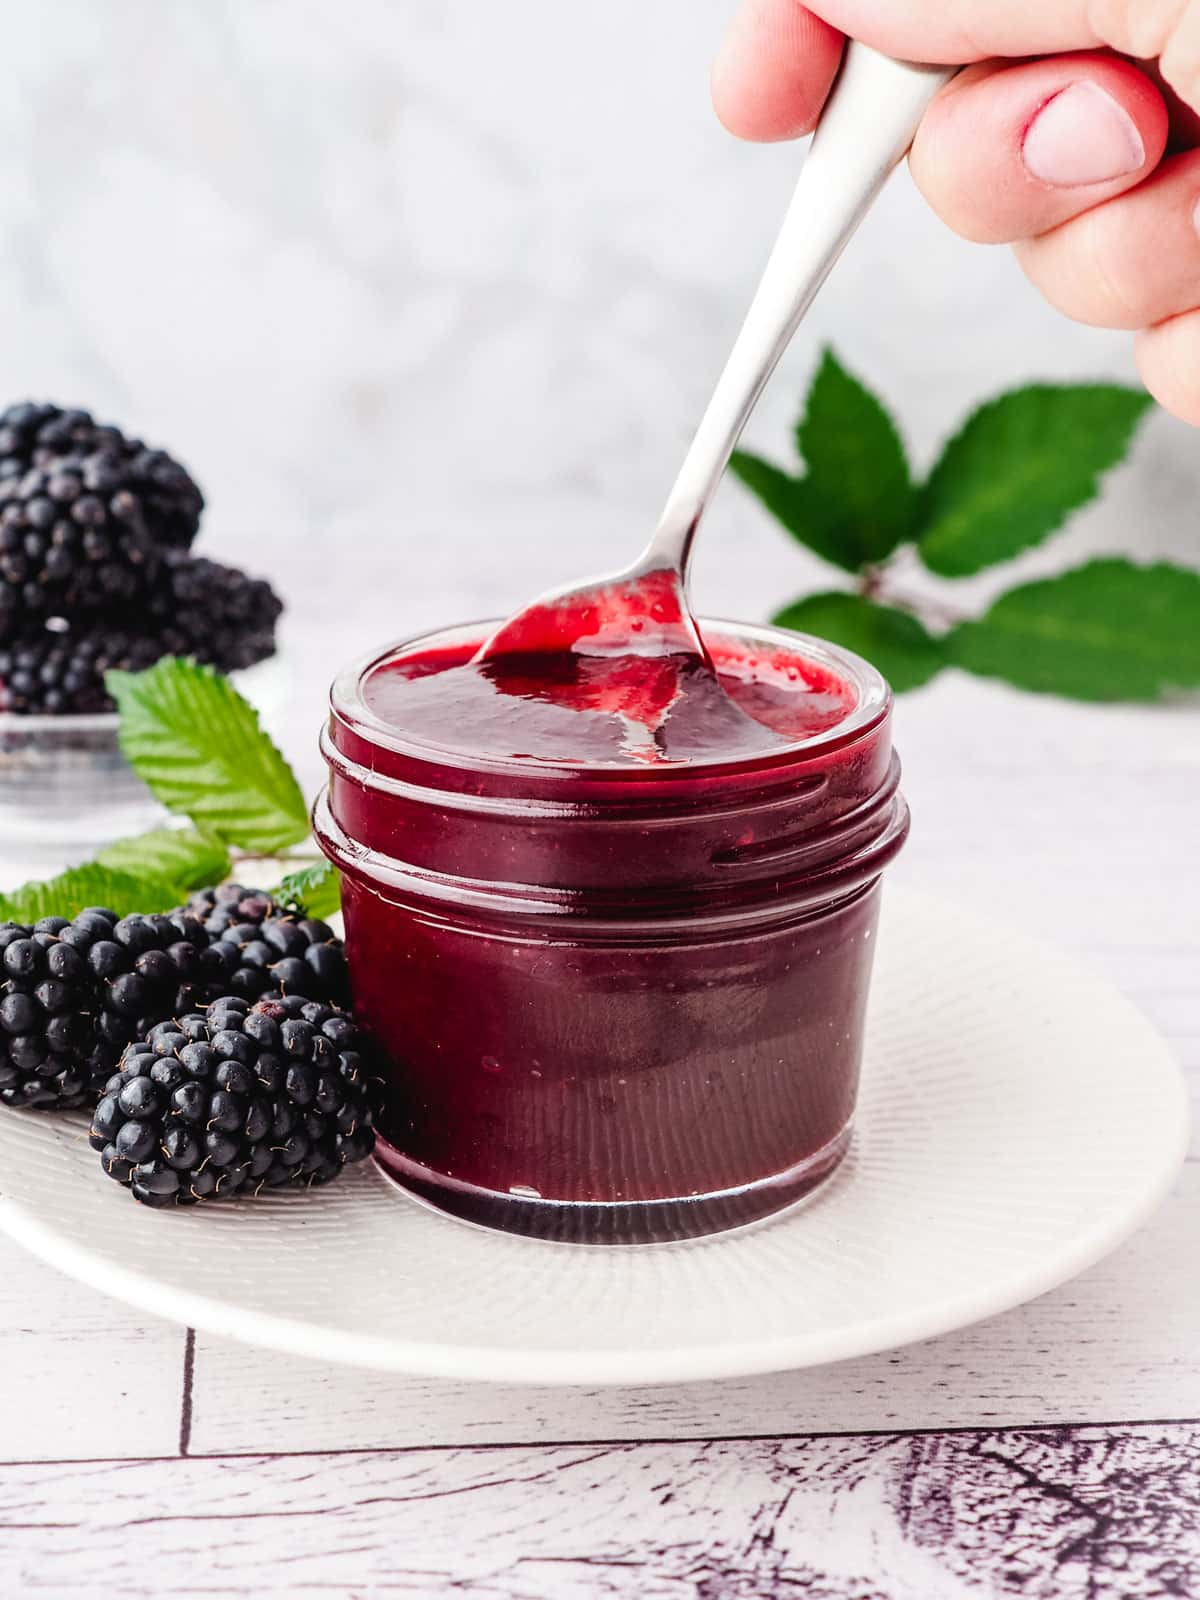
(66, 790)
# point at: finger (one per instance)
(1006, 152)
(1131, 262)
(1168, 358)
(973, 30)
(774, 70)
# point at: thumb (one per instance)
(774, 70)
(970, 30)
(1167, 31)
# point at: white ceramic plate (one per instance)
(1018, 1120)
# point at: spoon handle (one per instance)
(865, 130)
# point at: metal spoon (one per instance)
(865, 130)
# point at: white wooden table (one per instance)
(1053, 1452)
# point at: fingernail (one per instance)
(1082, 136)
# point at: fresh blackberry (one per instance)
(34, 435)
(62, 672)
(237, 1098)
(265, 946)
(213, 612)
(74, 993)
(84, 529)
(47, 1016)
(201, 609)
(148, 968)
(286, 952)
(219, 908)
(72, 540)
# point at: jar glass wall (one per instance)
(619, 1004)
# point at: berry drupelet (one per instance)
(236, 1098)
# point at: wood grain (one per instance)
(81, 1375)
(1088, 1351)
(1046, 1515)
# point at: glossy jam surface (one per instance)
(612, 710)
(622, 997)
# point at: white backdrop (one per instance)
(428, 293)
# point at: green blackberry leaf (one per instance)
(1109, 630)
(1018, 467)
(893, 641)
(184, 857)
(91, 885)
(793, 502)
(197, 744)
(314, 889)
(856, 463)
(856, 501)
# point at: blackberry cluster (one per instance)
(269, 946)
(202, 609)
(74, 993)
(266, 946)
(169, 501)
(286, 952)
(47, 1034)
(236, 1098)
(95, 534)
(219, 908)
(213, 612)
(58, 672)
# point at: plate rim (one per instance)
(713, 1361)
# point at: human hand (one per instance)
(1085, 161)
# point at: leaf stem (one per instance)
(935, 612)
(871, 582)
(307, 857)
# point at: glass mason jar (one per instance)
(620, 1003)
